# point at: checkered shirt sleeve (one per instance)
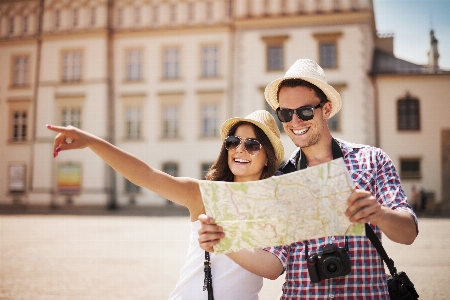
(371, 169)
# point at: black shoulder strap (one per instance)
(380, 249)
(207, 285)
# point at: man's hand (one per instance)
(363, 207)
(209, 233)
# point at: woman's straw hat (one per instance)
(310, 71)
(264, 120)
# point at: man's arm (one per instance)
(398, 226)
(257, 261)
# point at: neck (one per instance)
(319, 153)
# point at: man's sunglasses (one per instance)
(252, 146)
(304, 113)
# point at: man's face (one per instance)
(303, 133)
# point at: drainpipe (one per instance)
(111, 174)
(35, 92)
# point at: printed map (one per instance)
(282, 209)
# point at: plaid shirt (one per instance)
(372, 170)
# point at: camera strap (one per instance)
(380, 249)
(207, 285)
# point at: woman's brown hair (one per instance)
(220, 171)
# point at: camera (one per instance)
(331, 262)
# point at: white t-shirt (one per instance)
(229, 280)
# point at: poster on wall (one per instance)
(69, 178)
(17, 177)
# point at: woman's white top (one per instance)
(229, 280)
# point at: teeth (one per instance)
(300, 131)
(241, 160)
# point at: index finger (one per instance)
(59, 129)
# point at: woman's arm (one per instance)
(181, 190)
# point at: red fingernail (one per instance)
(54, 154)
(58, 149)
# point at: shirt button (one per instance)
(331, 296)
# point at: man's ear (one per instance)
(327, 107)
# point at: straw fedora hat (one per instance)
(310, 71)
(264, 120)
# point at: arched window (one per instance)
(408, 113)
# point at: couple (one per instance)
(251, 150)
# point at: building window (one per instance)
(120, 17)
(71, 116)
(328, 55)
(171, 61)
(133, 121)
(275, 58)
(336, 5)
(72, 66)
(170, 121)
(205, 169)
(11, 26)
(131, 188)
(75, 17)
(410, 168)
(334, 123)
(25, 25)
(328, 51)
(275, 52)
(191, 11)
(230, 8)
(134, 65)
(137, 16)
(19, 126)
(283, 7)
(210, 61)
(173, 13)
(209, 120)
(20, 72)
(93, 16)
(209, 10)
(408, 113)
(57, 19)
(155, 15)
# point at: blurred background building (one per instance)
(158, 77)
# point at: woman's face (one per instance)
(244, 166)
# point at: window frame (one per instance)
(171, 63)
(210, 61)
(20, 106)
(170, 100)
(134, 65)
(405, 174)
(72, 71)
(24, 71)
(330, 38)
(408, 115)
(270, 43)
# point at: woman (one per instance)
(251, 150)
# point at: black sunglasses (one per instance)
(252, 146)
(304, 113)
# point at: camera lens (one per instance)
(332, 268)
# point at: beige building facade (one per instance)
(158, 78)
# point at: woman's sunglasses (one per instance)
(304, 113)
(252, 146)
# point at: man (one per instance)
(304, 101)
